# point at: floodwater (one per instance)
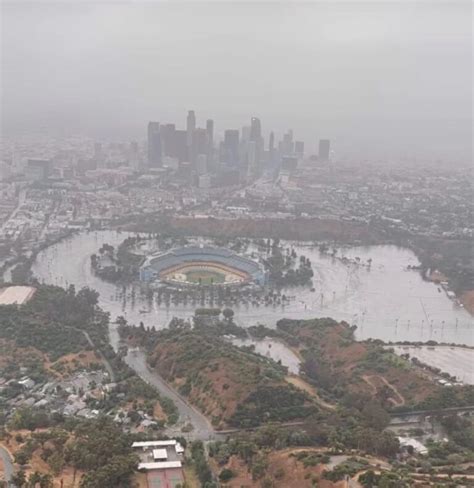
(457, 361)
(273, 349)
(384, 300)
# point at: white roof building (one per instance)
(160, 454)
(171, 442)
(160, 465)
(417, 445)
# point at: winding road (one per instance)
(7, 465)
(203, 429)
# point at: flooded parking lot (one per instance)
(457, 361)
(384, 300)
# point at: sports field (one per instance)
(205, 277)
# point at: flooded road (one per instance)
(384, 300)
(457, 361)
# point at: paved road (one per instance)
(105, 361)
(7, 465)
(439, 411)
(21, 200)
(203, 429)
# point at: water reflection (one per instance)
(273, 349)
(384, 300)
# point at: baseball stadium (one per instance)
(207, 266)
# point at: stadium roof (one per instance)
(193, 254)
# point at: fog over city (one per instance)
(384, 80)
(236, 244)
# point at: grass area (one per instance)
(205, 277)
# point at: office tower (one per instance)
(286, 145)
(181, 150)
(200, 145)
(154, 145)
(272, 154)
(271, 143)
(255, 129)
(299, 148)
(252, 162)
(324, 148)
(190, 127)
(255, 153)
(210, 134)
(245, 134)
(231, 147)
(167, 139)
(201, 164)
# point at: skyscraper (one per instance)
(231, 147)
(210, 140)
(255, 153)
(154, 145)
(210, 132)
(299, 148)
(190, 127)
(272, 157)
(252, 162)
(271, 143)
(255, 129)
(324, 148)
(201, 164)
(286, 146)
(181, 151)
(167, 139)
(200, 145)
(245, 134)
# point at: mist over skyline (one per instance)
(380, 80)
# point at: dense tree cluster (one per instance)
(53, 320)
(285, 269)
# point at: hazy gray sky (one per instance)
(377, 78)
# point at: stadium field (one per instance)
(205, 277)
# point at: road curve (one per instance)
(8, 469)
(203, 429)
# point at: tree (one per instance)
(228, 314)
(19, 479)
(375, 415)
(226, 475)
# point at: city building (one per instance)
(162, 461)
(210, 139)
(231, 148)
(201, 164)
(38, 169)
(190, 128)
(154, 145)
(299, 148)
(256, 137)
(200, 144)
(324, 148)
